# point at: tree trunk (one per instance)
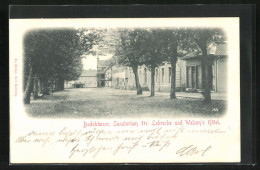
(206, 79)
(173, 80)
(28, 89)
(152, 81)
(207, 94)
(61, 84)
(40, 86)
(202, 42)
(45, 90)
(35, 89)
(25, 81)
(137, 82)
(56, 84)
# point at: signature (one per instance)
(192, 150)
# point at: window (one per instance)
(189, 78)
(199, 77)
(170, 74)
(117, 81)
(156, 75)
(162, 75)
(145, 75)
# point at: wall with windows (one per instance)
(218, 74)
(163, 77)
(124, 78)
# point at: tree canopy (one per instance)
(203, 37)
(56, 53)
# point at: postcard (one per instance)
(125, 90)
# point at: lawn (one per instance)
(114, 103)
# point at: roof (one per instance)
(86, 73)
(217, 48)
(214, 49)
(221, 49)
(192, 55)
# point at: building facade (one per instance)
(217, 53)
(104, 73)
(88, 78)
(188, 73)
(124, 78)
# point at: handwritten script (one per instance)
(93, 141)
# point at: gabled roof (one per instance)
(217, 48)
(221, 49)
(191, 55)
(86, 73)
(214, 49)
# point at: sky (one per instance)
(90, 61)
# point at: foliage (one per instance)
(203, 37)
(154, 48)
(57, 52)
(128, 51)
(52, 56)
(129, 48)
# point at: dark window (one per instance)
(156, 75)
(191, 77)
(170, 74)
(189, 85)
(162, 75)
(145, 75)
(199, 77)
(193, 70)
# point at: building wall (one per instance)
(163, 77)
(123, 77)
(68, 84)
(222, 72)
(105, 76)
(88, 81)
(219, 74)
(118, 77)
(108, 77)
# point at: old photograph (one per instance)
(125, 72)
(128, 90)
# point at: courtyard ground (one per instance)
(115, 103)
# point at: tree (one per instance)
(203, 37)
(172, 39)
(179, 44)
(128, 52)
(153, 51)
(54, 55)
